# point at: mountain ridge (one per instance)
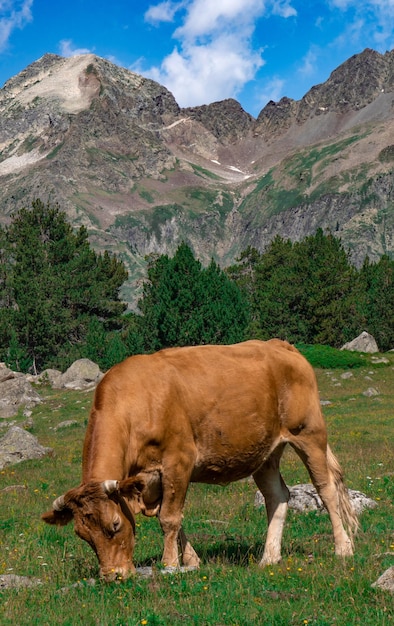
(120, 156)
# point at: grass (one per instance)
(204, 173)
(326, 357)
(54, 152)
(289, 184)
(310, 585)
(305, 160)
(387, 154)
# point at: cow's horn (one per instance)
(59, 504)
(109, 486)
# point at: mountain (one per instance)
(120, 156)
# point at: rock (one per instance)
(15, 392)
(49, 375)
(226, 119)
(7, 374)
(363, 343)
(376, 360)
(304, 498)
(12, 581)
(82, 374)
(80, 584)
(66, 424)
(347, 375)
(370, 392)
(15, 488)
(141, 572)
(19, 445)
(386, 580)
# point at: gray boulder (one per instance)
(15, 392)
(380, 360)
(19, 445)
(82, 374)
(370, 392)
(7, 374)
(347, 375)
(386, 580)
(12, 581)
(304, 498)
(13, 489)
(50, 376)
(363, 343)
(66, 424)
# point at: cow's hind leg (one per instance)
(276, 495)
(327, 477)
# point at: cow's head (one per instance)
(103, 514)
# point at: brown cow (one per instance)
(210, 414)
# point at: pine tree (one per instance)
(278, 292)
(184, 304)
(303, 292)
(329, 283)
(377, 302)
(224, 310)
(56, 285)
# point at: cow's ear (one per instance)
(130, 487)
(58, 518)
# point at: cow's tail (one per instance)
(346, 509)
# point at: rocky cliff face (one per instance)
(355, 84)
(118, 154)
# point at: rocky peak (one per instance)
(83, 105)
(225, 119)
(276, 117)
(51, 81)
(33, 71)
(71, 84)
(143, 99)
(351, 86)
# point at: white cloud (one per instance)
(67, 49)
(203, 74)
(163, 12)
(273, 90)
(214, 55)
(283, 8)
(372, 18)
(309, 62)
(363, 4)
(13, 14)
(206, 17)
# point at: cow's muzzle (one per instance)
(117, 574)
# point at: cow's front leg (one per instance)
(170, 530)
(189, 555)
(174, 485)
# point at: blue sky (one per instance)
(202, 50)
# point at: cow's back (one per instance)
(224, 405)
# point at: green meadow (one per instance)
(309, 587)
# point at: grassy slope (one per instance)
(310, 586)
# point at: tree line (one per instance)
(309, 292)
(59, 299)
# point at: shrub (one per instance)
(330, 358)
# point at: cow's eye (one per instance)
(116, 522)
